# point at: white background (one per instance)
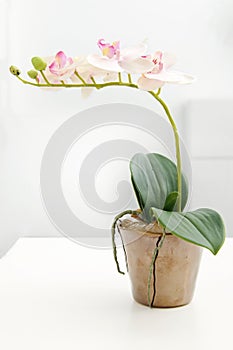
(198, 32)
(55, 294)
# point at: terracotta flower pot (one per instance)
(176, 266)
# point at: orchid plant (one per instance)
(159, 185)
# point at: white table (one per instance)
(57, 295)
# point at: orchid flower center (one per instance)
(158, 63)
(109, 50)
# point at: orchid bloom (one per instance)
(161, 73)
(61, 68)
(113, 59)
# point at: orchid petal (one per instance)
(158, 55)
(110, 77)
(62, 74)
(104, 63)
(116, 45)
(67, 73)
(82, 65)
(75, 79)
(61, 59)
(87, 70)
(70, 60)
(136, 66)
(101, 43)
(168, 59)
(85, 76)
(108, 49)
(171, 77)
(149, 84)
(134, 51)
(53, 67)
(51, 78)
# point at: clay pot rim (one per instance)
(142, 230)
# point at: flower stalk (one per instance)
(177, 144)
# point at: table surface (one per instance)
(55, 294)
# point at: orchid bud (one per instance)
(32, 74)
(14, 70)
(39, 63)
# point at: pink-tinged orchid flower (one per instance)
(62, 67)
(109, 50)
(161, 73)
(59, 67)
(113, 59)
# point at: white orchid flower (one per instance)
(161, 73)
(131, 60)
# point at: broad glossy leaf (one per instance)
(171, 201)
(203, 227)
(154, 178)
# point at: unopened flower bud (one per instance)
(14, 70)
(39, 63)
(32, 74)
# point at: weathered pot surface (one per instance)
(176, 266)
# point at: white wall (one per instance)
(200, 34)
(211, 150)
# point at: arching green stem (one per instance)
(132, 212)
(97, 85)
(177, 144)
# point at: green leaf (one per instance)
(139, 198)
(154, 178)
(203, 227)
(39, 63)
(171, 201)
